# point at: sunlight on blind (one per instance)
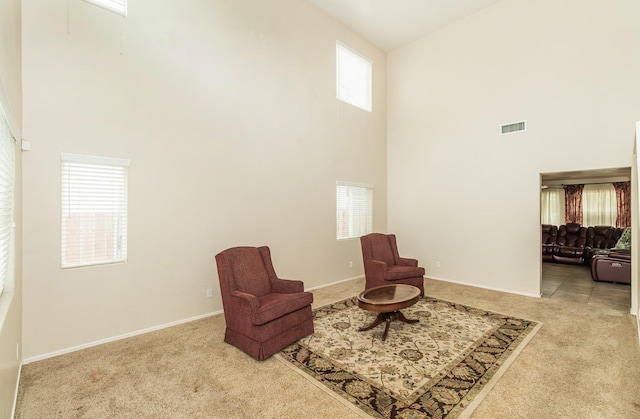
(354, 210)
(7, 170)
(117, 6)
(353, 77)
(94, 210)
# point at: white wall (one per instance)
(11, 299)
(227, 111)
(463, 195)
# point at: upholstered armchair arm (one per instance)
(287, 286)
(246, 301)
(377, 267)
(407, 262)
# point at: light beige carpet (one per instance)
(440, 366)
(584, 363)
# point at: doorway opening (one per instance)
(582, 222)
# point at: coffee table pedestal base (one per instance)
(387, 318)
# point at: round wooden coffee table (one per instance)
(387, 301)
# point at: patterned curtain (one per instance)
(573, 204)
(623, 198)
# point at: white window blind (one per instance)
(117, 6)
(354, 210)
(94, 210)
(353, 77)
(7, 171)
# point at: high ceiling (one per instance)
(390, 24)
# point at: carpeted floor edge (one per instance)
(324, 388)
(479, 398)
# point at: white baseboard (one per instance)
(526, 294)
(215, 313)
(15, 396)
(150, 329)
(114, 338)
(335, 283)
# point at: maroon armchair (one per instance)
(263, 313)
(383, 265)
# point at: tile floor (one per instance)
(574, 283)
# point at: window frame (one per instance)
(116, 6)
(7, 203)
(109, 206)
(355, 225)
(346, 75)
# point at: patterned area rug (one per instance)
(440, 367)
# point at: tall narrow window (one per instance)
(353, 77)
(7, 171)
(116, 6)
(354, 210)
(94, 210)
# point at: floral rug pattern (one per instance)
(430, 369)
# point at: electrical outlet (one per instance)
(351, 264)
(437, 264)
(209, 292)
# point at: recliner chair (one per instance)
(263, 313)
(570, 244)
(384, 266)
(614, 267)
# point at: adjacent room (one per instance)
(586, 228)
(214, 124)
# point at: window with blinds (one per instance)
(7, 173)
(353, 77)
(354, 210)
(94, 210)
(116, 6)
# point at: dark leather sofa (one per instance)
(576, 244)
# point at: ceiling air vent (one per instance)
(514, 127)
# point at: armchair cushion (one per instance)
(398, 272)
(273, 306)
